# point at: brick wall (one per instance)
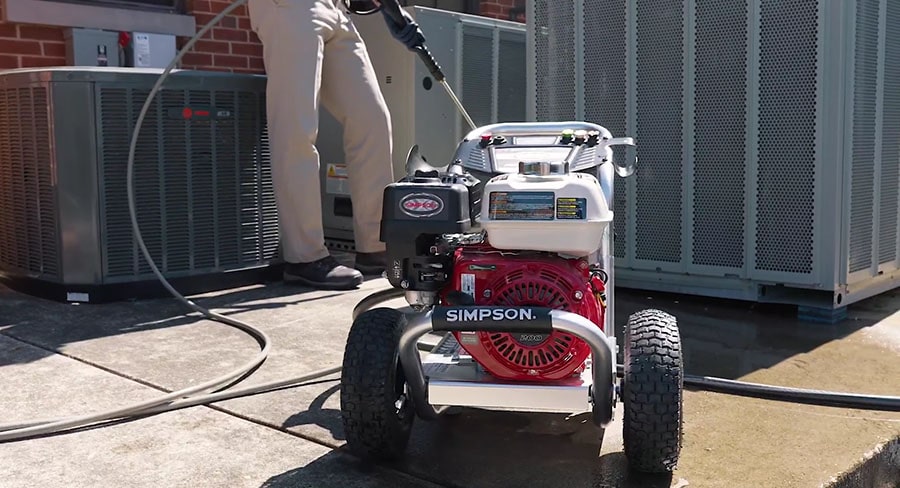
(500, 9)
(230, 46)
(27, 46)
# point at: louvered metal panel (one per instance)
(511, 76)
(890, 139)
(766, 130)
(478, 76)
(29, 237)
(862, 193)
(202, 178)
(204, 195)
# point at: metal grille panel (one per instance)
(512, 78)
(554, 56)
(202, 188)
(660, 86)
(477, 75)
(890, 133)
(720, 133)
(29, 237)
(862, 176)
(604, 91)
(787, 136)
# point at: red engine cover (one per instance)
(522, 280)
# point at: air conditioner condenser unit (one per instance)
(202, 182)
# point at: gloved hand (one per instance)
(409, 35)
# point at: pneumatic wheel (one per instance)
(652, 392)
(376, 411)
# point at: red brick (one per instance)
(9, 30)
(8, 62)
(55, 49)
(197, 59)
(200, 6)
(218, 47)
(255, 50)
(34, 62)
(41, 33)
(244, 23)
(202, 19)
(230, 35)
(257, 64)
(253, 37)
(228, 21)
(10, 46)
(224, 60)
(218, 6)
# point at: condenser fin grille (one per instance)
(786, 178)
(202, 187)
(862, 176)
(512, 77)
(720, 110)
(660, 120)
(29, 237)
(890, 133)
(478, 75)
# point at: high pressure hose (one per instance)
(189, 397)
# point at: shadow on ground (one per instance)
(722, 338)
(474, 448)
(53, 325)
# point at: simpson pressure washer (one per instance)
(221, 388)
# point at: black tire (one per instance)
(372, 381)
(652, 392)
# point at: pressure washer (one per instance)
(544, 333)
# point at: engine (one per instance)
(537, 230)
(528, 279)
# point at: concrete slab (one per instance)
(187, 448)
(729, 441)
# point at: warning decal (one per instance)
(336, 182)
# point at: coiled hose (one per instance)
(213, 390)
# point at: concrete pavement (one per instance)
(60, 360)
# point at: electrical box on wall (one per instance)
(484, 61)
(92, 47)
(147, 50)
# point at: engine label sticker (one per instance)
(571, 208)
(522, 205)
(467, 284)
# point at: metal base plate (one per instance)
(455, 379)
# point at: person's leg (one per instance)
(293, 34)
(350, 91)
